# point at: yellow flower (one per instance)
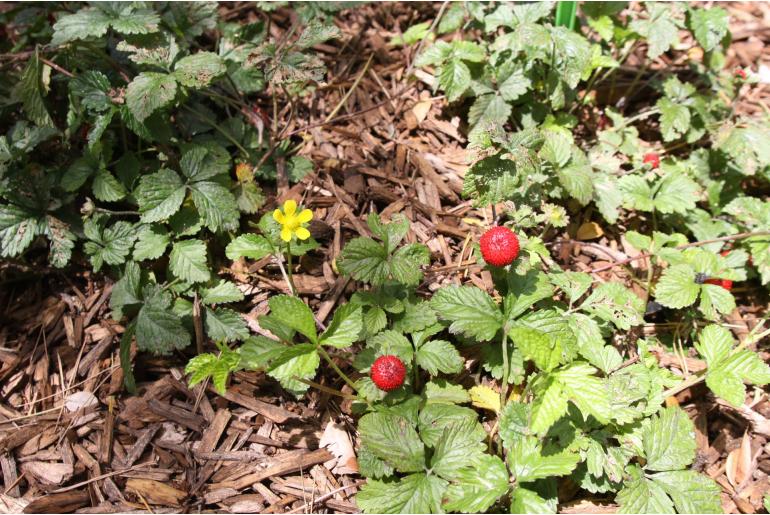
(292, 222)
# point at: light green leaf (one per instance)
(676, 287)
(223, 292)
(225, 325)
(460, 444)
(159, 330)
(474, 489)
(345, 327)
(216, 205)
(675, 193)
(588, 392)
(442, 391)
(187, 261)
(365, 260)
(668, 439)
(252, 246)
(379, 432)
(726, 378)
(439, 356)
(526, 500)
(613, 302)
(84, 24)
(637, 194)
(392, 343)
(549, 405)
(298, 361)
(714, 344)
(715, 300)
(106, 187)
(416, 493)
(674, 119)
(406, 262)
(709, 26)
(151, 242)
(293, 313)
(435, 417)
(640, 495)
(454, 78)
(691, 492)
(528, 463)
(471, 311)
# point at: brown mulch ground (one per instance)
(71, 438)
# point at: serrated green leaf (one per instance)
(471, 311)
(637, 194)
(675, 193)
(442, 391)
(199, 69)
(106, 187)
(726, 378)
(674, 119)
(526, 500)
(365, 260)
(613, 302)
(110, 245)
(416, 493)
(380, 431)
(298, 361)
(474, 489)
(217, 206)
(439, 356)
(224, 325)
(709, 26)
(252, 246)
(159, 195)
(223, 292)
(86, 23)
(151, 242)
(528, 463)
(548, 406)
(715, 300)
(668, 439)
(677, 288)
(455, 78)
(406, 262)
(159, 330)
(435, 417)
(460, 444)
(588, 392)
(187, 261)
(640, 495)
(345, 327)
(148, 92)
(293, 313)
(691, 492)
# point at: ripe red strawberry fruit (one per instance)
(388, 373)
(740, 73)
(499, 246)
(727, 284)
(652, 159)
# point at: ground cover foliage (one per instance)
(134, 145)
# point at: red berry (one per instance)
(727, 284)
(388, 373)
(724, 253)
(652, 158)
(499, 246)
(741, 74)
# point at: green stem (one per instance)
(504, 386)
(288, 270)
(216, 126)
(325, 355)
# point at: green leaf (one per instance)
(298, 361)
(714, 300)
(435, 417)
(455, 78)
(588, 392)
(471, 311)
(365, 260)
(691, 492)
(393, 343)
(549, 405)
(345, 327)
(293, 313)
(370, 466)
(439, 356)
(199, 69)
(709, 26)
(106, 187)
(714, 344)
(127, 291)
(613, 302)
(726, 378)
(158, 329)
(460, 444)
(442, 391)
(674, 119)
(31, 91)
(159, 195)
(660, 30)
(524, 291)
(151, 242)
(640, 495)
(637, 194)
(406, 262)
(677, 288)
(527, 500)
(489, 111)
(223, 292)
(84, 24)
(317, 32)
(187, 261)
(676, 193)
(217, 206)
(474, 489)
(92, 87)
(225, 325)
(537, 346)
(412, 35)
(668, 439)
(392, 439)
(17, 230)
(528, 463)
(110, 245)
(148, 92)
(252, 246)
(416, 493)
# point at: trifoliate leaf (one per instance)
(675, 193)
(216, 205)
(365, 260)
(455, 78)
(406, 262)
(471, 311)
(187, 261)
(640, 495)
(158, 329)
(110, 245)
(392, 343)
(298, 361)
(715, 300)
(588, 392)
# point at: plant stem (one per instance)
(325, 355)
(290, 277)
(504, 386)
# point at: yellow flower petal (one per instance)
(286, 234)
(278, 216)
(290, 207)
(305, 216)
(302, 233)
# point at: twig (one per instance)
(321, 499)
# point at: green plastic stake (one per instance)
(566, 14)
